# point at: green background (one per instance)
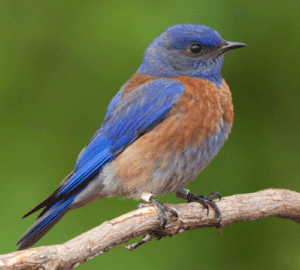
(61, 63)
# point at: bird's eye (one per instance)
(196, 48)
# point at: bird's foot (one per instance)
(204, 200)
(160, 208)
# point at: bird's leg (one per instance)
(204, 200)
(160, 208)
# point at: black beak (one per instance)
(229, 45)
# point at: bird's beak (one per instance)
(229, 45)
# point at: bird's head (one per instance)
(187, 49)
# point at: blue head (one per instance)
(187, 49)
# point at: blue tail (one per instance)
(47, 219)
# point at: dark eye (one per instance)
(196, 48)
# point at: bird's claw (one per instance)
(161, 210)
(205, 201)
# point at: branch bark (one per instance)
(262, 204)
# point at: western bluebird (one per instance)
(161, 129)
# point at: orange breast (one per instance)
(198, 115)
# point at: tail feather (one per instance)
(44, 223)
(48, 201)
(41, 205)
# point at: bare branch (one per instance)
(266, 203)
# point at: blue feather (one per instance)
(183, 34)
(168, 55)
(45, 223)
(128, 117)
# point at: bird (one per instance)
(160, 131)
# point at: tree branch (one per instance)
(266, 203)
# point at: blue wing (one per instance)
(129, 116)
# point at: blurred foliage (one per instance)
(62, 62)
